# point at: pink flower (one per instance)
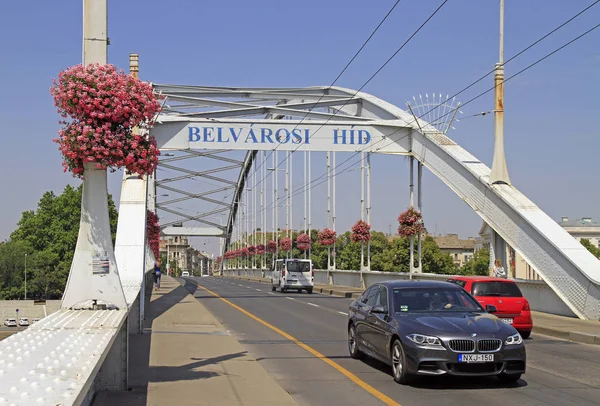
(285, 244)
(104, 104)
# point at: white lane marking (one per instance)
(312, 304)
(291, 298)
(342, 313)
(240, 285)
(249, 287)
(258, 290)
(270, 293)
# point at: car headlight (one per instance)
(515, 339)
(426, 341)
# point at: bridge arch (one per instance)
(199, 118)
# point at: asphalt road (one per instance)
(559, 372)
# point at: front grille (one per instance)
(483, 368)
(462, 345)
(491, 345)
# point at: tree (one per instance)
(594, 250)
(478, 265)
(435, 261)
(48, 235)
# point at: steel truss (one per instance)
(567, 267)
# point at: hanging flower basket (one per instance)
(285, 244)
(361, 231)
(153, 232)
(260, 249)
(251, 250)
(411, 223)
(244, 252)
(327, 237)
(303, 242)
(272, 246)
(104, 104)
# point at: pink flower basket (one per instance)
(303, 242)
(153, 232)
(104, 105)
(327, 237)
(260, 249)
(361, 231)
(272, 246)
(285, 244)
(411, 223)
(251, 250)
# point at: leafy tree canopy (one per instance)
(48, 236)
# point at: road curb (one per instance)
(576, 336)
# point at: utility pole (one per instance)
(499, 173)
(25, 276)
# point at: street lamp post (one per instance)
(25, 276)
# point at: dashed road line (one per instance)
(312, 304)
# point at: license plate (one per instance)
(475, 357)
(507, 321)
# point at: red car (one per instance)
(512, 306)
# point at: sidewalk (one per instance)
(186, 357)
(568, 328)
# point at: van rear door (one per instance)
(300, 270)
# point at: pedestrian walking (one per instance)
(157, 274)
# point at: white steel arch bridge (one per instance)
(211, 122)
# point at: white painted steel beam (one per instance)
(131, 241)
(566, 265)
(193, 231)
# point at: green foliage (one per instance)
(386, 255)
(594, 250)
(479, 265)
(48, 235)
(435, 261)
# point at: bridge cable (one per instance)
(469, 101)
(367, 82)
(336, 79)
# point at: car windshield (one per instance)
(426, 300)
(493, 288)
(298, 266)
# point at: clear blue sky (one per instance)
(552, 136)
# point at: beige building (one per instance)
(176, 249)
(461, 251)
(584, 228)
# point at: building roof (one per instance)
(582, 222)
(451, 241)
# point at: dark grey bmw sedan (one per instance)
(433, 328)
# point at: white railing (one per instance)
(541, 297)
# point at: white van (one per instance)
(185, 274)
(296, 274)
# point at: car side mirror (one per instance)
(490, 308)
(378, 309)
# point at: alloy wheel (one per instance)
(397, 361)
(352, 339)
